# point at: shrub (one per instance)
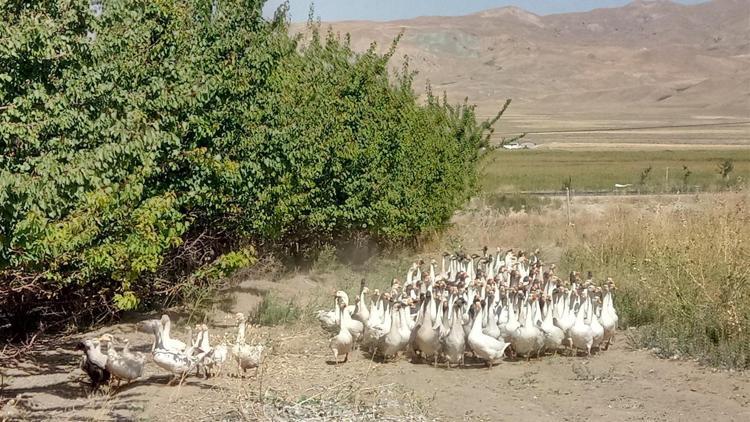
(327, 261)
(144, 144)
(275, 311)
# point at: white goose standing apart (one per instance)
(247, 356)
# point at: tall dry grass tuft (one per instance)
(682, 273)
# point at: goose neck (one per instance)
(395, 319)
(476, 326)
(241, 332)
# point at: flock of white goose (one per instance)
(171, 354)
(491, 306)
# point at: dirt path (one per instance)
(620, 384)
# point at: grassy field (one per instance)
(544, 170)
(681, 263)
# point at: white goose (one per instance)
(126, 365)
(566, 317)
(329, 320)
(356, 328)
(377, 325)
(218, 354)
(528, 339)
(454, 344)
(404, 326)
(512, 324)
(490, 318)
(553, 335)
(177, 363)
(608, 318)
(392, 341)
(596, 327)
(581, 335)
(247, 356)
(169, 343)
(361, 313)
(342, 343)
(484, 347)
(427, 340)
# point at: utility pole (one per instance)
(666, 181)
(567, 190)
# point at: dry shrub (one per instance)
(682, 273)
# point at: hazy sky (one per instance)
(331, 10)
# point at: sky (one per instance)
(333, 10)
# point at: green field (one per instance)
(545, 170)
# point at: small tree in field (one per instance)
(725, 168)
(686, 173)
(644, 175)
(567, 183)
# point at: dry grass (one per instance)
(681, 263)
(684, 275)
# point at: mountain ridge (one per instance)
(646, 55)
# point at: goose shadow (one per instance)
(47, 358)
(162, 380)
(116, 411)
(370, 356)
(63, 389)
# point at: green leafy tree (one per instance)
(686, 173)
(643, 178)
(144, 149)
(725, 168)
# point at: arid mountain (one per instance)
(656, 57)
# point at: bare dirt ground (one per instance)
(299, 382)
(621, 384)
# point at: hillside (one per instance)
(657, 60)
